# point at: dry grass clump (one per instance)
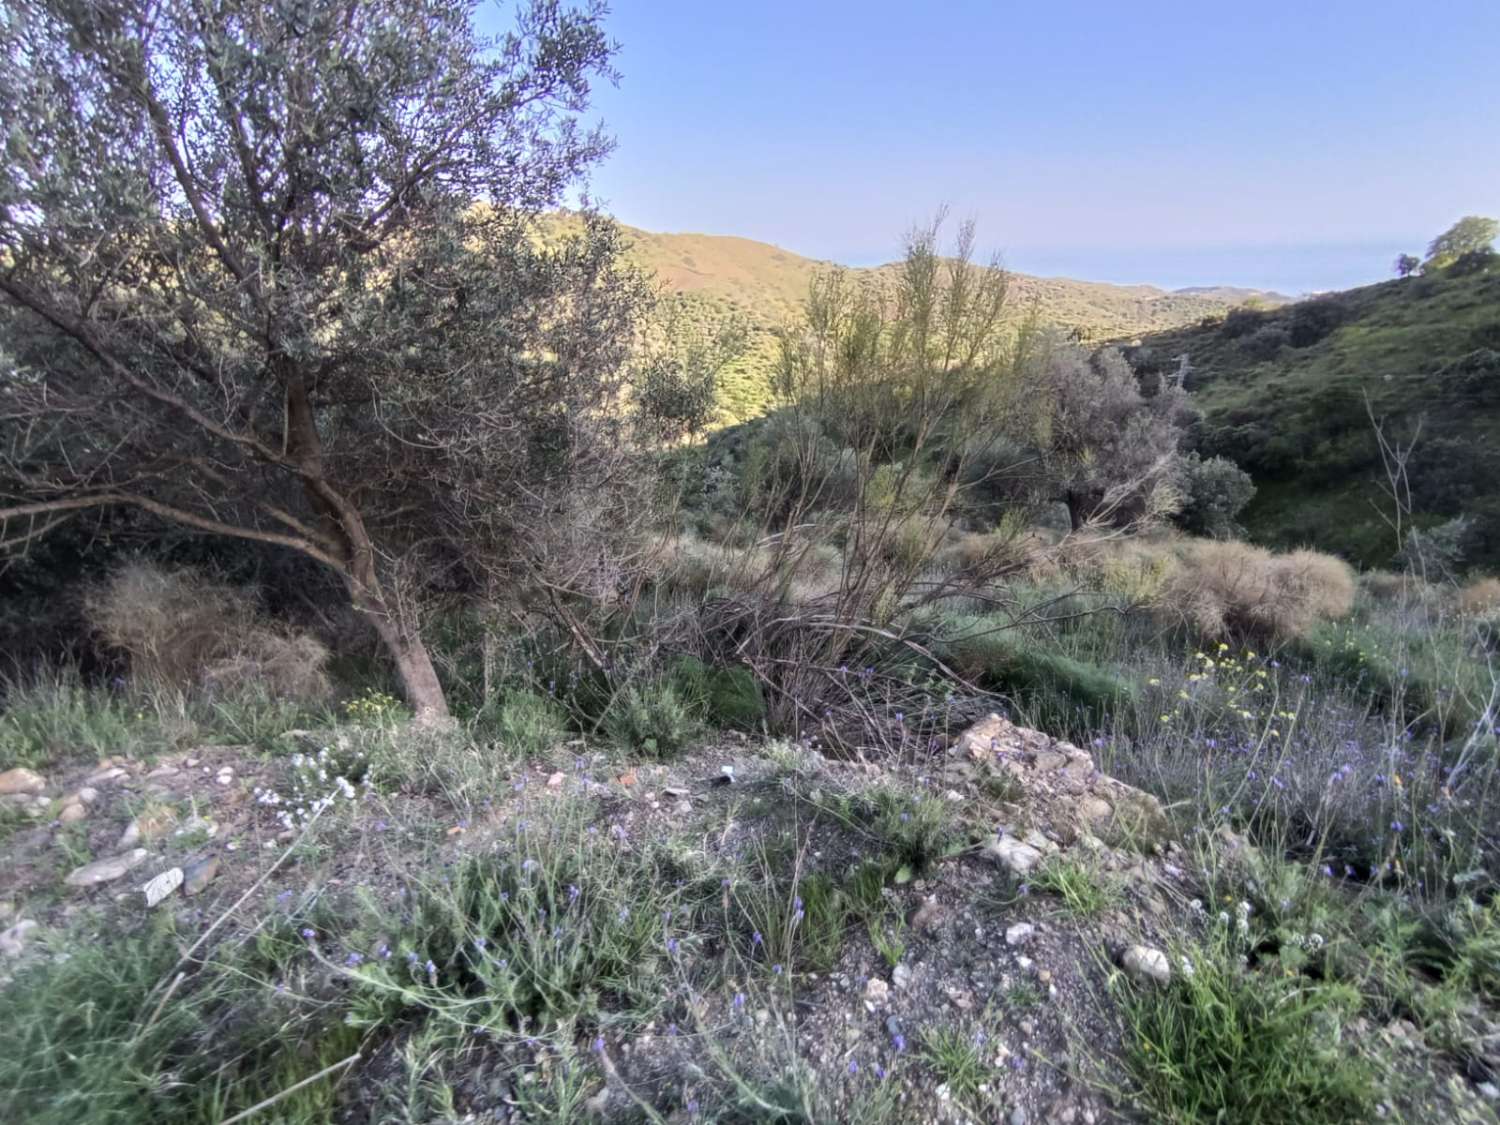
(182, 629)
(1480, 597)
(1227, 588)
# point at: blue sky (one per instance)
(1290, 144)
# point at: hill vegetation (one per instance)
(416, 709)
(1289, 395)
(717, 277)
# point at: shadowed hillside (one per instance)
(1283, 392)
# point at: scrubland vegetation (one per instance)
(504, 740)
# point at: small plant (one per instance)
(1084, 889)
(374, 708)
(653, 717)
(958, 1057)
(1224, 1041)
(524, 723)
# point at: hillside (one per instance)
(719, 275)
(1283, 392)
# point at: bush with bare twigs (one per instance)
(181, 630)
(1235, 589)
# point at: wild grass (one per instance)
(1225, 1039)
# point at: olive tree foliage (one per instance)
(272, 269)
(1407, 264)
(1108, 451)
(1214, 491)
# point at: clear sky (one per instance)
(1288, 144)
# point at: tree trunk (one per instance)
(419, 679)
(1077, 513)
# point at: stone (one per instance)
(131, 836)
(87, 795)
(927, 917)
(105, 870)
(198, 875)
(1489, 1090)
(13, 940)
(106, 776)
(161, 886)
(162, 771)
(877, 994)
(1017, 1117)
(1147, 965)
(1013, 855)
(627, 778)
(556, 780)
(22, 780)
(1020, 933)
(1095, 808)
(72, 813)
(901, 976)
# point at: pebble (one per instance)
(87, 795)
(1489, 1090)
(73, 812)
(877, 993)
(1146, 964)
(556, 780)
(1017, 1117)
(1013, 855)
(161, 886)
(13, 940)
(105, 870)
(21, 780)
(131, 836)
(104, 776)
(1020, 933)
(901, 976)
(928, 915)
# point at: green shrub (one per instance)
(1057, 689)
(1225, 1042)
(653, 717)
(524, 722)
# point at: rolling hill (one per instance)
(1284, 393)
(714, 276)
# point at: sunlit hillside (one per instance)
(721, 275)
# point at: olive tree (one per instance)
(1108, 451)
(278, 271)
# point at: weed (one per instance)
(958, 1057)
(1225, 1041)
(1084, 890)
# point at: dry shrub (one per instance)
(1480, 597)
(1226, 588)
(182, 629)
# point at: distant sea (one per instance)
(1292, 269)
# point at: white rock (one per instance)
(901, 976)
(131, 836)
(104, 776)
(1146, 964)
(105, 870)
(88, 795)
(1020, 933)
(13, 940)
(1014, 855)
(21, 780)
(877, 993)
(73, 812)
(160, 887)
